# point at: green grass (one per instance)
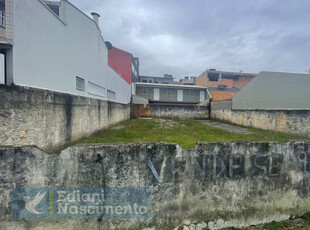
(183, 132)
(274, 225)
(306, 218)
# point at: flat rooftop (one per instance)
(170, 85)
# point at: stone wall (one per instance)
(296, 122)
(214, 185)
(50, 120)
(179, 111)
(170, 111)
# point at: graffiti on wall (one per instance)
(230, 166)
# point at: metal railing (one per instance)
(2, 18)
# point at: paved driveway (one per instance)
(227, 127)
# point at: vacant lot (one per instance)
(183, 132)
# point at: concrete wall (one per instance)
(50, 120)
(221, 105)
(179, 111)
(60, 50)
(297, 122)
(214, 185)
(271, 101)
(120, 86)
(170, 111)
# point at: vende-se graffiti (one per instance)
(216, 166)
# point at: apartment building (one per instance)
(54, 45)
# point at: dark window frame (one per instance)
(169, 94)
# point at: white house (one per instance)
(53, 45)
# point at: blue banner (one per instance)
(80, 203)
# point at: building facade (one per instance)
(188, 80)
(223, 85)
(275, 91)
(167, 79)
(53, 45)
(6, 36)
(125, 64)
(170, 93)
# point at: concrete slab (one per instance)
(227, 127)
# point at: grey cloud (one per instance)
(184, 37)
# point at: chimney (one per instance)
(62, 10)
(96, 17)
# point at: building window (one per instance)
(133, 68)
(213, 76)
(134, 74)
(145, 81)
(156, 81)
(169, 92)
(144, 91)
(80, 84)
(150, 81)
(2, 18)
(111, 94)
(95, 89)
(2, 13)
(191, 92)
(54, 7)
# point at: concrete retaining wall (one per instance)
(214, 185)
(49, 120)
(220, 105)
(170, 111)
(179, 111)
(297, 122)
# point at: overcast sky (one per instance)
(185, 37)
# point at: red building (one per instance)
(223, 85)
(124, 64)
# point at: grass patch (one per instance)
(185, 132)
(306, 218)
(274, 225)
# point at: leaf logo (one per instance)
(32, 204)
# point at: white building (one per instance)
(53, 45)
